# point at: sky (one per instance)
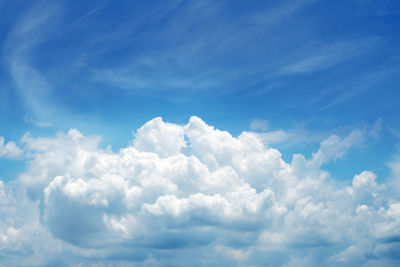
(201, 133)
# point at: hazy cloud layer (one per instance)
(192, 194)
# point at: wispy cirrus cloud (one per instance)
(284, 10)
(31, 28)
(312, 59)
(36, 123)
(378, 8)
(355, 135)
(194, 55)
(344, 91)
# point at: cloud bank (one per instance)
(194, 195)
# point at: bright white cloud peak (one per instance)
(185, 194)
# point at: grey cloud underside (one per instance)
(193, 194)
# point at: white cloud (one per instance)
(31, 29)
(334, 147)
(273, 137)
(258, 124)
(191, 193)
(36, 123)
(327, 56)
(394, 181)
(364, 179)
(10, 149)
(165, 139)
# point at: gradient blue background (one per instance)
(107, 67)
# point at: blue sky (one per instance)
(309, 77)
(296, 64)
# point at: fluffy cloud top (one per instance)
(10, 149)
(193, 195)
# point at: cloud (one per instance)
(31, 29)
(362, 135)
(365, 179)
(36, 123)
(192, 194)
(281, 12)
(394, 165)
(156, 136)
(334, 147)
(289, 137)
(258, 124)
(198, 64)
(327, 56)
(10, 149)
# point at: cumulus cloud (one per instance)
(10, 149)
(192, 194)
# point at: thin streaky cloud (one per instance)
(327, 55)
(36, 123)
(365, 83)
(30, 29)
